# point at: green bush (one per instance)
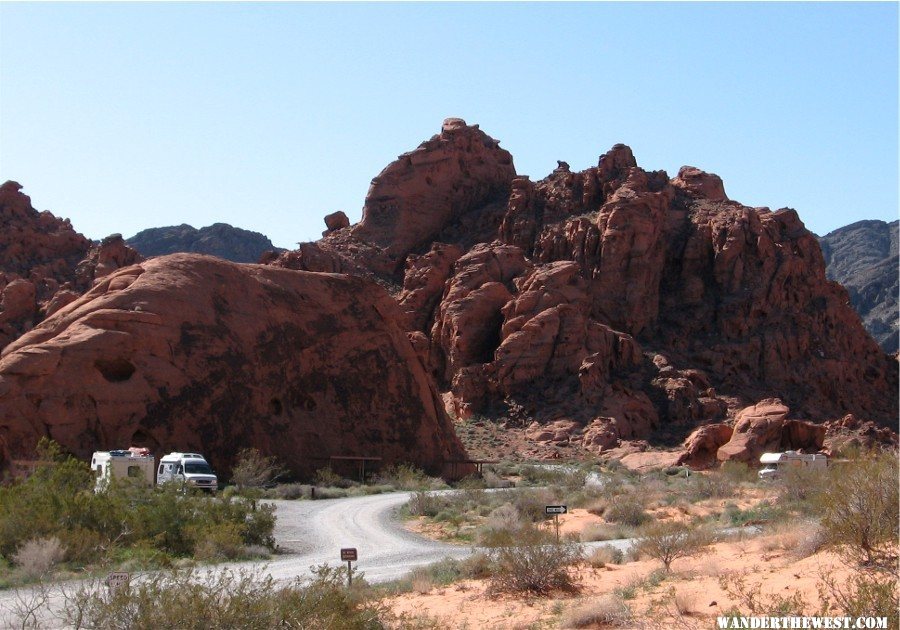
(667, 541)
(860, 510)
(58, 501)
(536, 565)
(627, 511)
(193, 600)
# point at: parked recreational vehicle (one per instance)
(134, 463)
(188, 470)
(774, 464)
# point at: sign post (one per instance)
(556, 510)
(348, 554)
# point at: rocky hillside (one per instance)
(602, 311)
(863, 257)
(219, 239)
(607, 305)
(45, 263)
(168, 355)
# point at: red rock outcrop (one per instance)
(703, 444)
(424, 192)
(764, 427)
(38, 256)
(44, 263)
(637, 303)
(188, 352)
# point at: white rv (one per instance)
(774, 464)
(134, 463)
(189, 470)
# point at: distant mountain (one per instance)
(219, 239)
(863, 257)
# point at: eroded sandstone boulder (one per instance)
(188, 352)
(417, 196)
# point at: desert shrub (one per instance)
(536, 565)
(737, 472)
(605, 531)
(408, 477)
(685, 603)
(36, 506)
(38, 556)
(218, 542)
(255, 470)
(58, 501)
(226, 599)
(608, 610)
(501, 527)
(863, 594)
(423, 503)
(327, 478)
(290, 491)
(860, 510)
(753, 602)
(667, 541)
(710, 485)
(531, 503)
(601, 556)
(801, 487)
(763, 512)
(626, 510)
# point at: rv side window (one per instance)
(161, 468)
(134, 471)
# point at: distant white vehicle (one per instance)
(188, 470)
(134, 463)
(774, 464)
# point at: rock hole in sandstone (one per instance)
(115, 370)
(275, 407)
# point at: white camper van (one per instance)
(188, 470)
(134, 463)
(774, 464)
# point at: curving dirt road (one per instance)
(313, 532)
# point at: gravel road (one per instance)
(311, 533)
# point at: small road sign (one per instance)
(556, 509)
(348, 554)
(116, 580)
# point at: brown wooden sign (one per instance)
(348, 554)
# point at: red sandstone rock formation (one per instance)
(602, 308)
(187, 352)
(44, 263)
(636, 303)
(764, 427)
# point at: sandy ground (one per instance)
(694, 582)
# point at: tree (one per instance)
(860, 510)
(667, 541)
(254, 470)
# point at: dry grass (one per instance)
(601, 556)
(685, 603)
(38, 556)
(608, 610)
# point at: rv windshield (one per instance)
(198, 468)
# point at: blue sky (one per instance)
(269, 116)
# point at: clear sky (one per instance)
(269, 116)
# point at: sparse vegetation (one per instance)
(668, 541)
(860, 510)
(602, 556)
(608, 610)
(535, 565)
(226, 599)
(254, 470)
